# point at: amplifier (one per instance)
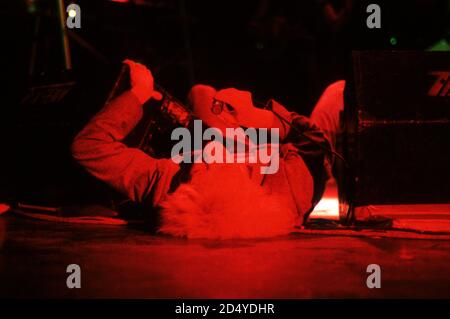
(396, 130)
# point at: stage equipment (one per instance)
(396, 131)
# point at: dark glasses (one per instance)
(218, 106)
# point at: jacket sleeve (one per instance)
(309, 141)
(99, 149)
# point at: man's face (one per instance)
(228, 108)
(225, 113)
(212, 112)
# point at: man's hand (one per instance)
(142, 82)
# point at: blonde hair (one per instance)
(222, 202)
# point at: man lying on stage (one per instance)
(217, 200)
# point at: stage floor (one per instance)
(120, 262)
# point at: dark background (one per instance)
(288, 50)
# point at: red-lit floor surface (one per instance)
(120, 262)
